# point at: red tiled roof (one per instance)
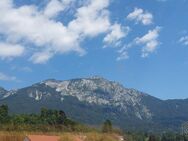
(43, 138)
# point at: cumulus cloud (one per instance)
(92, 19)
(44, 36)
(117, 32)
(37, 32)
(123, 51)
(10, 50)
(55, 6)
(184, 40)
(4, 77)
(150, 41)
(141, 16)
(123, 55)
(27, 24)
(41, 57)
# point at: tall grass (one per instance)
(68, 137)
(93, 136)
(11, 137)
(65, 136)
(101, 137)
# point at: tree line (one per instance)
(46, 120)
(159, 137)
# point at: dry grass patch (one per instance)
(68, 137)
(89, 137)
(101, 137)
(11, 137)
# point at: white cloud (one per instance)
(184, 40)
(30, 26)
(10, 50)
(123, 56)
(92, 19)
(150, 41)
(117, 32)
(139, 15)
(41, 57)
(123, 52)
(4, 77)
(55, 6)
(37, 33)
(27, 24)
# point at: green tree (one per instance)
(18, 119)
(3, 113)
(152, 138)
(53, 117)
(61, 117)
(107, 126)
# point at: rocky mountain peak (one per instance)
(93, 90)
(100, 91)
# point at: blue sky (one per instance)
(142, 44)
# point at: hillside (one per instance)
(92, 100)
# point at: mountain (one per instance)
(92, 100)
(3, 92)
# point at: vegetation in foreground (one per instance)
(46, 121)
(155, 137)
(96, 136)
(8, 136)
(53, 122)
(92, 136)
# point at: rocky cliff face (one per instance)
(100, 91)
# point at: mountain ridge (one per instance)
(100, 99)
(100, 77)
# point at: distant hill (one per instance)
(92, 100)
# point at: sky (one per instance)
(142, 44)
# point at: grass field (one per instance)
(91, 136)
